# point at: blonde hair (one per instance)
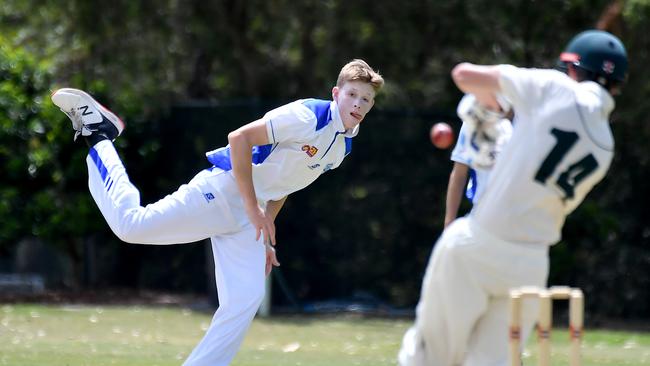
(359, 70)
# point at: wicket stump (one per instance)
(545, 321)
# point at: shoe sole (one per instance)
(112, 117)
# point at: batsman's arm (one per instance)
(455, 190)
(479, 80)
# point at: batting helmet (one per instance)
(601, 54)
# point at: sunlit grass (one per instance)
(599, 347)
(109, 335)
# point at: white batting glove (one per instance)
(485, 130)
(470, 111)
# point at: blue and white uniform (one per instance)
(464, 153)
(307, 138)
(478, 176)
(561, 147)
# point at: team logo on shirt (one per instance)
(310, 150)
(208, 196)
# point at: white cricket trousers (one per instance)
(209, 206)
(462, 316)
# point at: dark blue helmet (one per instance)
(600, 53)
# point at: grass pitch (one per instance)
(132, 336)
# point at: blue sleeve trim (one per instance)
(321, 109)
(221, 157)
(260, 153)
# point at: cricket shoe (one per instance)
(89, 118)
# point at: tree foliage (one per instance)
(145, 57)
(41, 191)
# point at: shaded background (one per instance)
(183, 74)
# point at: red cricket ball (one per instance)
(442, 136)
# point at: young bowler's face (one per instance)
(355, 99)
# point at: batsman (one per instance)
(561, 147)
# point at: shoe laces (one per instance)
(77, 124)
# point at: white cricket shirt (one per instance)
(306, 139)
(561, 147)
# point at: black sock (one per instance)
(94, 138)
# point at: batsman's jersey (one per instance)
(560, 148)
(307, 138)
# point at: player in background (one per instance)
(561, 147)
(472, 166)
(234, 202)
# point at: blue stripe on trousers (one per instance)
(100, 166)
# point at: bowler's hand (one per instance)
(263, 224)
(271, 259)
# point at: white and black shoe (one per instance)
(89, 118)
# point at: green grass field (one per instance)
(59, 335)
